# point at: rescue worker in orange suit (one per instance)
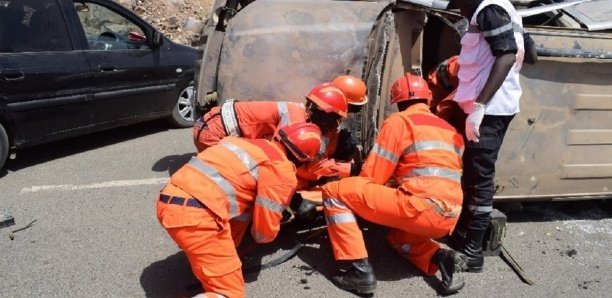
(209, 202)
(339, 147)
(422, 153)
(492, 52)
(251, 120)
(443, 82)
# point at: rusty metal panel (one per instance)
(592, 102)
(279, 50)
(587, 171)
(559, 145)
(589, 137)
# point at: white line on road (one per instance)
(118, 183)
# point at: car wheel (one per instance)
(182, 114)
(4, 147)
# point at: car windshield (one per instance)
(595, 15)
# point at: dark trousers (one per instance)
(479, 173)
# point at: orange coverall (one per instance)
(259, 120)
(443, 82)
(323, 166)
(254, 119)
(423, 155)
(209, 202)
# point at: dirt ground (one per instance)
(180, 20)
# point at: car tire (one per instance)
(4, 147)
(183, 111)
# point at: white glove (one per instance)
(473, 120)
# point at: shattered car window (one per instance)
(108, 30)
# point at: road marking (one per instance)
(118, 183)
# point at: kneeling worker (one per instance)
(236, 181)
(423, 155)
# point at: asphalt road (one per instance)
(95, 234)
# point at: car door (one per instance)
(559, 144)
(127, 80)
(44, 77)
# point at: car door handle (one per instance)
(107, 67)
(11, 75)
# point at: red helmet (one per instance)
(329, 98)
(410, 87)
(302, 139)
(353, 88)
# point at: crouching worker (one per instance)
(422, 153)
(209, 202)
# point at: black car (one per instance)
(69, 68)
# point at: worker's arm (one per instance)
(384, 156)
(531, 53)
(275, 187)
(491, 21)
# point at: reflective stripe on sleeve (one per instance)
(333, 202)
(340, 218)
(244, 157)
(482, 209)
(384, 153)
(432, 145)
(500, 30)
(283, 112)
(434, 172)
(215, 176)
(228, 115)
(269, 204)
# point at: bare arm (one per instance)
(502, 65)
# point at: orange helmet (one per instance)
(410, 87)
(353, 88)
(329, 99)
(302, 139)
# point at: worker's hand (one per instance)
(473, 121)
(304, 209)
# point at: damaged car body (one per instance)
(558, 147)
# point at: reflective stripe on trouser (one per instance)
(413, 219)
(209, 247)
(479, 172)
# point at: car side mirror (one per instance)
(157, 40)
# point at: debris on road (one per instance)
(6, 221)
(12, 233)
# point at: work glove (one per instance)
(473, 121)
(304, 209)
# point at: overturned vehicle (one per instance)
(557, 148)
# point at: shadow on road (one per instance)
(171, 277)
(28, 157)
(317, 254)
(172, 163)
(554, 211)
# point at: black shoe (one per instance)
(359, 277)
(473, 250)
(450, 263)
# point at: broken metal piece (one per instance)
(505, 255)
(12, 233)
(6, 221)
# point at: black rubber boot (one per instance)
(450, 263)
(473, 250)
(359, 277)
